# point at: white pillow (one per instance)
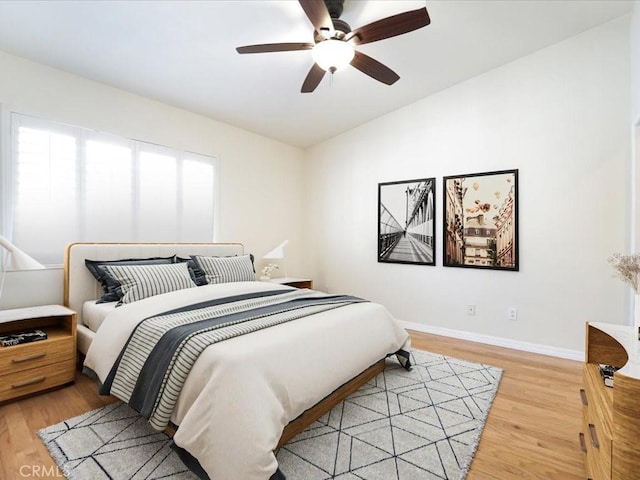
(226, 269)
(142, 281)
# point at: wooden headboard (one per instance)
(80, 285)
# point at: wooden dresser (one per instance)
(33, 367)
(610, 436)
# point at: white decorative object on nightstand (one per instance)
(278, 254)
(32, 367)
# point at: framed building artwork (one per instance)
(406, 221)
(480, 227)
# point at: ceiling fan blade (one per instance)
(274, 47)
(390, 27)
(313, 79)
(374, 69)
(317, 13)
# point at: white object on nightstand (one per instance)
(278, 254)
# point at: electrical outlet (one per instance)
(512, 313)
(471, 309)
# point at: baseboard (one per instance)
(497, 341)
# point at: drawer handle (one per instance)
(26, 383)
(583, 397)
(594, 437)
(35, 356)
(583, 444)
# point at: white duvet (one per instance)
(242, 392)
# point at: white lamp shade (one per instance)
(332, 55)
(277, 252)
(17, 259)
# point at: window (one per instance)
(71, 184)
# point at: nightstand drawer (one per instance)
(30, 355)
(36, 379)
(598, 447)
(294, 282)
(301, 284)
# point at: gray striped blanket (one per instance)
(154, 363)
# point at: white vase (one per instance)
(265, 278)
(636, 314)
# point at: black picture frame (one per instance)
(480, 220)
(407, 221)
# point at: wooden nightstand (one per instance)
(32, 367)
(294, 282)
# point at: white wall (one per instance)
(252, 168)
(635, 128)
(634, 38)
(560, 116)
(635, 61)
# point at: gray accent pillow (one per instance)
(226, 269)
(197, 274)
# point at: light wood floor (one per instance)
(531, 432)
(532, 428)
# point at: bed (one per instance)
(248, 394)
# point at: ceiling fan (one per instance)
(334, 41)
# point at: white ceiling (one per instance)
(183, 53)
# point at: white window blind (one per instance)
(72, 184)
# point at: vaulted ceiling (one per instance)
(183, 53)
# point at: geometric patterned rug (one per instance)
(403, 425)
(423, 424)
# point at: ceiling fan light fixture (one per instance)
(332, 54)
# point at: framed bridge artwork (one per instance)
(406, 221)
(480, 221)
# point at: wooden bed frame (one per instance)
(80, 286)
(323, 406)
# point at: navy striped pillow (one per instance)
(110, 286)
(142, 281)
(226, 269)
